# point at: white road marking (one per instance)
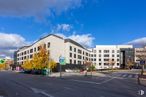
(91, 82)
(67, 88)
(39, 91)
(130, 76)
(124, 75)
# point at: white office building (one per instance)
(73, 52)
(102, 54)
(57, 46)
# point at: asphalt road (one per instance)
(121, 84)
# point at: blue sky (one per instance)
(89, 22)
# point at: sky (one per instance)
(88, 22)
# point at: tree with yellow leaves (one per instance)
(40, 61)
(27, 65)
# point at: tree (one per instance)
(27, 65)
(130, 63)
(40, 60)
(111, 63)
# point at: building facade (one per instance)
(57, 46)
(140, 53)
(103, 55)
(75, 53)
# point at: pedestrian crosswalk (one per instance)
(125, 75)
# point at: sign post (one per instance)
(61, 62)
(142, 62)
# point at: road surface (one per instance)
(119, 84)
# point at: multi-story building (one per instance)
(140, 53)
(75, 53)
(102, 55)
(57, 46)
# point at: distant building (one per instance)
(140, 52)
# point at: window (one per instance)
(86, 54)
(99, 59)
(22, 53)
(30, 56)
(99, 63)
(38, 48)
(99, 51)
(25, 52)
(86, 58)
(83, 58)
(79, 57)
(79, 62)
(118, 51)
(70, 61)
(74, 55)
(28, 52)
(70, 54)
(94, 59)
(70, 48)
(83, 52)
(117, 59)
(105, 64)
(79, 51)
(48, 44)
(35, 49)
(74, 61)
(99, 55)
(24, 57)
(106, 51)
(74, 49)
(113, 51)
(31, 50)
(91, 55)
(118, 64)
(118, 56)
(106, 55)
(106, 59)
(113, 55)
(94, 51)
(112, 59)
(44, 45)
(94, 55)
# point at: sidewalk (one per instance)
(66, 74)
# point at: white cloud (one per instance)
(64, 27)
(138, 42)
(10, 42)
(36, 8)
(84, 39)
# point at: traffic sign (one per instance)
(142, 62)
(62, 60)
(2, 61)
